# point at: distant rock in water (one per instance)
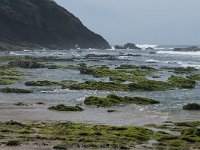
(127, 46)
(42, 24)
(192, 48)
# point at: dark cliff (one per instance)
(38, 24)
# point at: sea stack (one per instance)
(43, 24)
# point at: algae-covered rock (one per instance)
(20, 104)
(113, 100)
(181, 82)
(111, 110)
(13, 90)
(8, 80)
(9, 73)
(95, 85)
(39, 103)
(42, 83)
(128, 66)
(62, 107)
(184, 70)
(149, 85)
(192, 106)
(13, 143)
(26, 64)
(194, 77)
(68, 135)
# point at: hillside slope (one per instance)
(38, 24)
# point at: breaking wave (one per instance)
(179, 53)
(145, 46)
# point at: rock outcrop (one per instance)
(39, 24)
(127, 46)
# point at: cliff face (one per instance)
(33, 24)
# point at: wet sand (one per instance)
(123, 116)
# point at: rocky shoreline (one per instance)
(109, 98)
(68, 135)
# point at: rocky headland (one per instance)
(43, 24)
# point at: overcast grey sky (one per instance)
(140, 21)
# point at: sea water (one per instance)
(170, 108)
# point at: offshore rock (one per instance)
(127, 46)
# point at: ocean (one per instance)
(161, 57)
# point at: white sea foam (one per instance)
(124, 57)
(112, 47)
(179, 53)
(145, 46)
(184, 64)
(25, 50)
(160, 48)
(152, 61)
(56, 91)
(80, 99)
(15, 53)
(189, 64)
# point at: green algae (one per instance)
(71, 67)
(136, 77)
(189, 137)
(181, 70)
(143, 84)
(123, 73)
(187, 124)
(8, 80)
(181, 82)
(149, 85)
(62, 107)
(9, 73)
(95, 85)
(13, 143)
(42, 83)
(128, 66)
(65, 83)
(67, 135)
(114, 100)
(7, 77)
(13, 90)
(26, 64)
(194, 77)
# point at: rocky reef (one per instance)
(68, 135)
(114, 100)
(42, 24)
(191, 48)
(62, 107)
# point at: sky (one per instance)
(174, 22)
